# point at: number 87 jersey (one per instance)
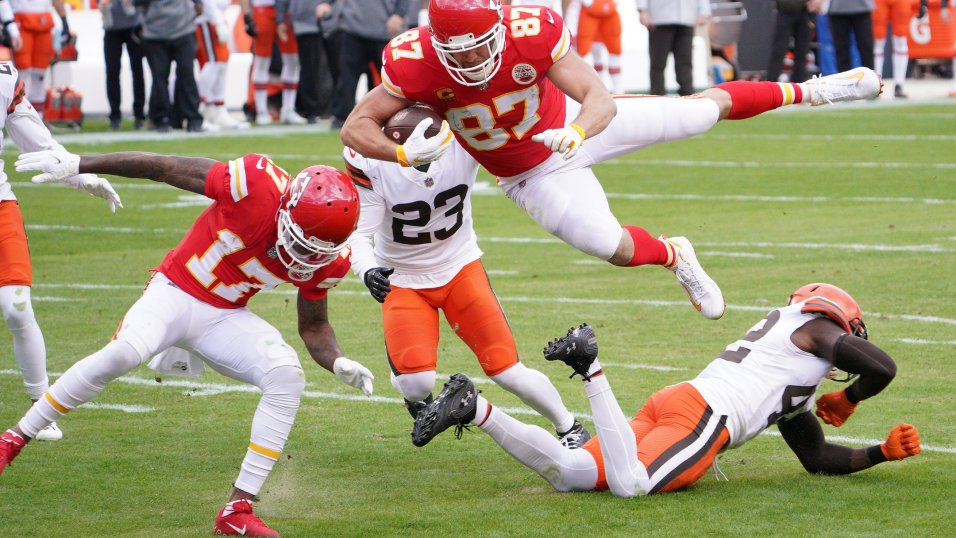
(495, 110)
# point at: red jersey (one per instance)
(494, 123)
(228, 254)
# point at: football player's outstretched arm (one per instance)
(320, 341)
(849, 353)
(573, 76)
(362, 130)
(804, 435)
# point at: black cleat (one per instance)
(575, 437)
(577, 349)
(455, 405)
(414, 408)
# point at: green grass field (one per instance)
(860, 196)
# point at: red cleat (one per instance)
(10, 445)
(237, 519)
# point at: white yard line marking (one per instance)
(212, 389)
(521, 299)
(921, 342)
(637, 366)
(672, 163)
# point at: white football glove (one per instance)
(418, 150)
(94, 185)
(566, 140)
(58, 164)
(354, 374)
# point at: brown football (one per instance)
(401, 125)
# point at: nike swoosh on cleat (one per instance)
(240, 530)
(856, 76)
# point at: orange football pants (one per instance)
(15, 269)
(410, 320)
(265, 19)
(36, 29)
(671, 418)
(896, 12)
(209, 48)
(606, 29)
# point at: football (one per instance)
(401, 125)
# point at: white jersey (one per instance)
(31, 6)
(420, 222)
(763, 377)
(213, 12)
(21, 121)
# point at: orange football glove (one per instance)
(902, 442)
(834, 408)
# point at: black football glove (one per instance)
(376, 279)
(65, 36)
(923, 8)
(250, 25)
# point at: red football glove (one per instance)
(902, 442)
(834, 408)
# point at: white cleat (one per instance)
(263, 118)
(704, 293)
(50, 433)
(227, 122)
(852, 85)
(290, 117)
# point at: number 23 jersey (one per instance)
(494, 123)
(763, 377)
(228, 254)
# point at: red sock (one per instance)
(648, 250)
(751, 98)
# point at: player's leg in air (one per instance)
(410, 319)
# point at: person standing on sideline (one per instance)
(264, 228)
(122, 25)
(365, 27)
(212, 37)
(847, 16)
(897, 14)
(794, 21)
(27, 131)
(169, 36)
(33, 58)
(311, 22)
(670, 29)
(264, 26)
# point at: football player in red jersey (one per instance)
(262, 229)
(500, 76)
(767, 377)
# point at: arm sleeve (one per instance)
(804, 436)
(27, 130)
(282, 6)
(370, 218)
(858, 356)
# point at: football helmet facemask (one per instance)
(317, 214)
(459, 26)
(835, 303)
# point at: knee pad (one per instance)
(17, 307)
(285, 382)
(415, 387)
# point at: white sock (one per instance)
(536, 390)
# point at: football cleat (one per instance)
(899, 93)
(703, 292)
(290, 117)
(455, 405)
(577, 349)
(575, 437)
(50, 433)
(414, 408)
(852, 85)
(10, 445)
(263, 118)
(237, 519)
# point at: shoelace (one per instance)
(460, 429)
(686, 275)
(832, 87)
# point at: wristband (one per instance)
(400, 155)
(579, 129)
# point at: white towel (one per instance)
(178, 362)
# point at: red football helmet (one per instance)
(460, 26)
(834, 302)
(317, 214)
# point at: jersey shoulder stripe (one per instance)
(19, 94)
(358, 177)
(237, 180)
